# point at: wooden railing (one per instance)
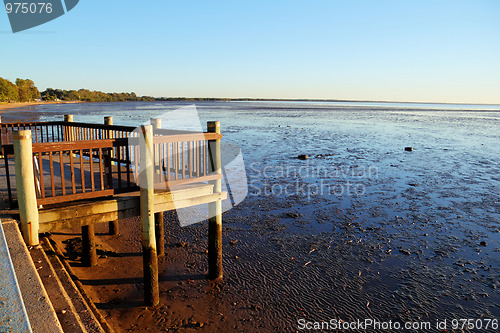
(59, 131)
(183, 157)
(90, 163)
(68, 171)
(74, 161)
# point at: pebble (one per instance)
(405, 251)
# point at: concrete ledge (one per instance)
(41, 314)
(13, 316)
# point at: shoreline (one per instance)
(9, 106)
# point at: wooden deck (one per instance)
(123, 206)
(67, 174)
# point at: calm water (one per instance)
(425, 211)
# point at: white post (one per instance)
(25, 184)
(69, 131)
(215, 208)
(150, 257)
(160, 233)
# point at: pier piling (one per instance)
(150, 258)
(89, 254)
(113, 226)
(160, 232)
(215, 208)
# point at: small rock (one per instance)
(408, 148)
(483, 243)
(293, 215)
(405, 251)
(302, 157)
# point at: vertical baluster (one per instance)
(176, 155)
(168, 161)
(101, 177)
(72, 166)
(136, 169)
(118, 150)
(42, 186)
(61, 160)
(190, 160)
(91, 163)
(205, 158)
(82, 171)
(52, 180)
(127, 157)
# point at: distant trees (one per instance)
(91, 96)
(27, 90)
(8, 91)
(23, 91)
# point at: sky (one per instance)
(419, 51)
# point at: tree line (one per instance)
(26, 91)
(21, 91)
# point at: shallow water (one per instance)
(362, 228)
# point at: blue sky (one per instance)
(436, 51)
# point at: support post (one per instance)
(156, 123)
(215, 208)
(89, 253)
(150, 259)
(1, 138)
(160, 232)
(69, 131)
(113, 226)
(25, 183)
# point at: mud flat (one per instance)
(361, 229)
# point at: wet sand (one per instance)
(279, 268)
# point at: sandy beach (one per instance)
(6, 106)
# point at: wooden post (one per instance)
(1, 135)
(156, 123)
(25, 184)
(150, 259)
(215, 208)
(160, 233)
(159, 228)
(69, 132)
(113, 226)
(89, 253)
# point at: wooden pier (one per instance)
(64, 174)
